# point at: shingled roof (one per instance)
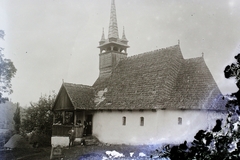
(80, 96)
(160, 79)
(195, 88)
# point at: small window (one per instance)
(124, 121)
(179, 120)
(141, 121)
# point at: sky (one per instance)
(51, 41)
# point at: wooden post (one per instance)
(75, 117)
(63, 113)
(54, 117)
(84, 116)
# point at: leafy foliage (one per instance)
(17, 120)
(4, 137)
(39, 117)
(233, 70)
(222, 142)
(7, 72)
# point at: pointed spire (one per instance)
(124, 36)
(103, 36)
(113, 28)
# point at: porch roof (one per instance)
(80, 96)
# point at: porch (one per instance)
(62, 130)
(63, 121)
(72, 108)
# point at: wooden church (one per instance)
(150, 98)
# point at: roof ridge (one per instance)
(195, 58)
(151, 52)
(82, 85)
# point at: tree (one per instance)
(233, 71)
(7, 72)
(40, 117)
(222, 142)
(17, 119)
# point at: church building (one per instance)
(149, 98)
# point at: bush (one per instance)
(5, 136)
(39, 119)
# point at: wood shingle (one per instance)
(160, 79)
(81, 96)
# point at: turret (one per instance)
(112, 49)
(103, 38)
(124, 39)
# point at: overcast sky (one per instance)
(51, 40)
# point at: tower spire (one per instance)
(103, 38)
(124, 39)
(112, 49)
(113, 28)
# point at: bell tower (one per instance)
(112, 49)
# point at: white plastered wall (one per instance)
(59, 141)
(159, 127)
(108, 127)
(169, 131)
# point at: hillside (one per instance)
(7, 111)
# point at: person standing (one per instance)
(85, 128)
(71, 134)
(89, 128)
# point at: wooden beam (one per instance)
(75, 117)
(63, 114)
(54, 117)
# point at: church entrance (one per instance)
(89, 124)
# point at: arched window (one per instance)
(123, 51)
(179, 120)
(115, 48)
(141, 121)
(103, 51)
(124, 121)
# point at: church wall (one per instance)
(159, 127)
(175, 126)
(108, 127)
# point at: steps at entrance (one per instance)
(90, 140)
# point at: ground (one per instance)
(80, 152)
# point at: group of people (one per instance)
(87, 130)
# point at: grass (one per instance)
(79, 152)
